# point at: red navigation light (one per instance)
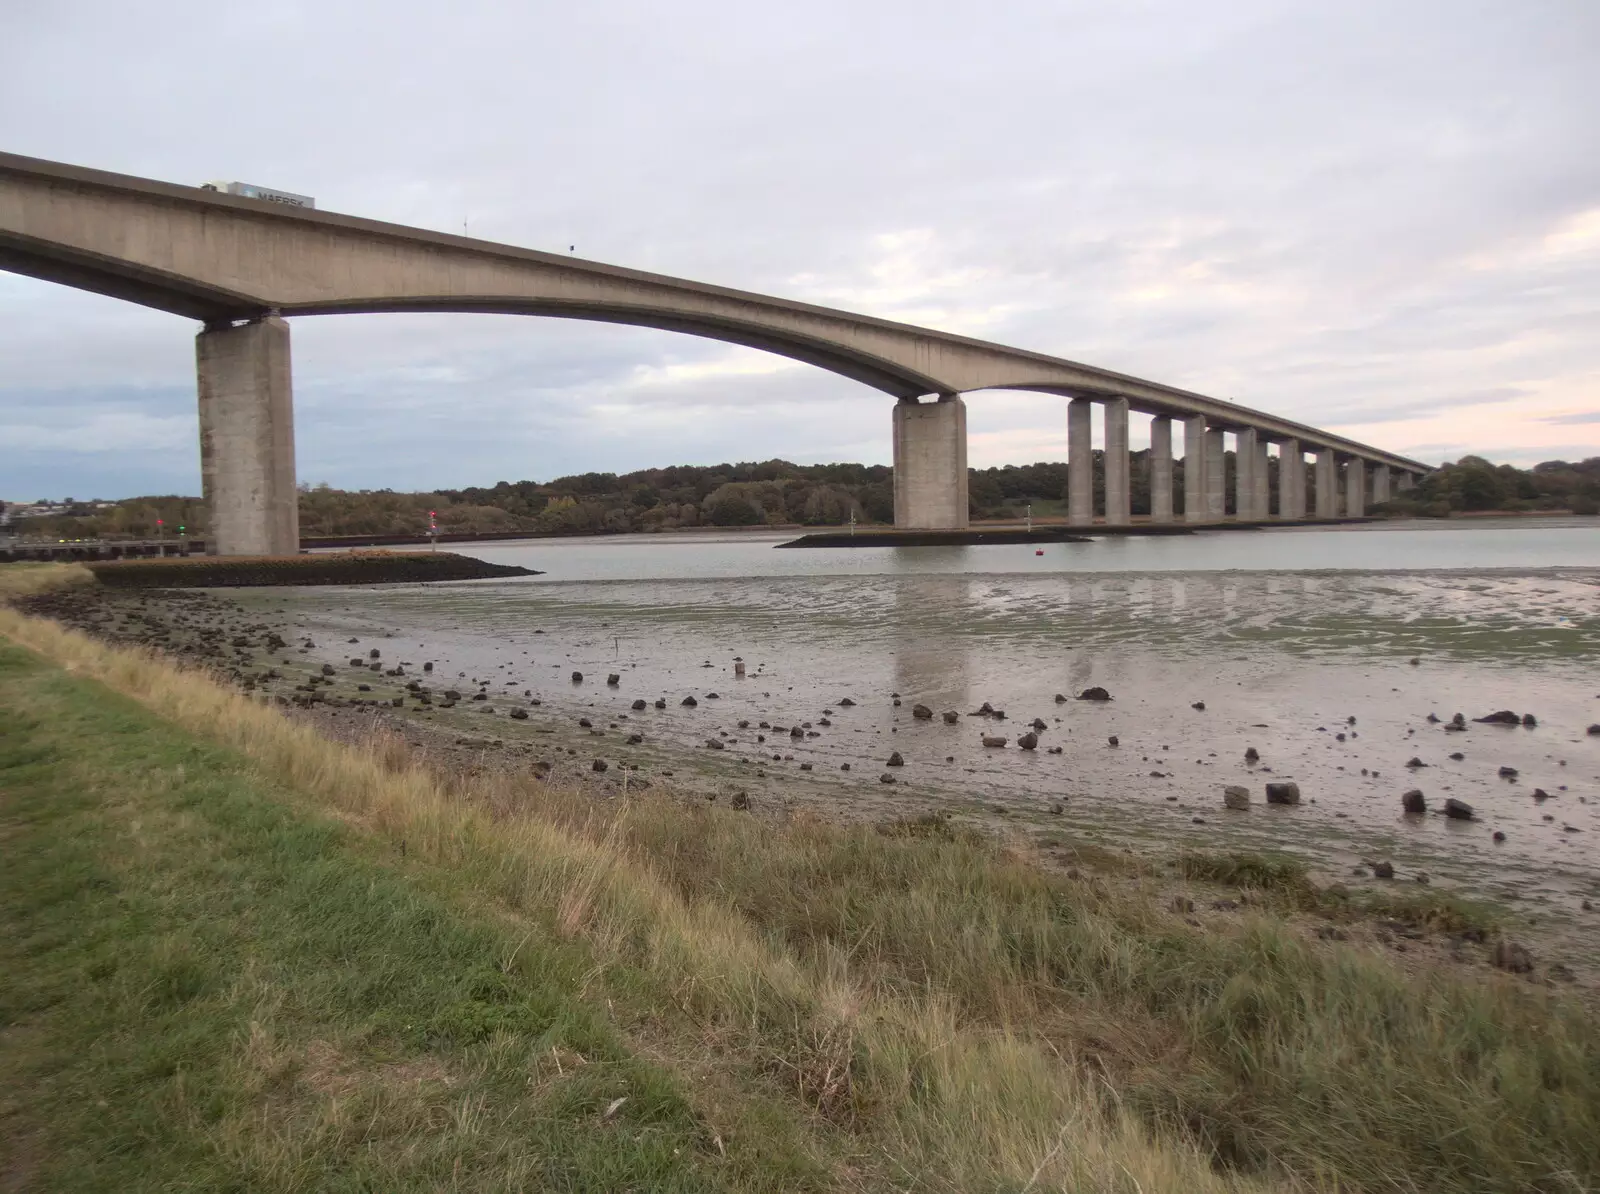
(159, 522)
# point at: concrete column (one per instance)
(1327, 484)
(1194, 469)
(1160, 469)
(1355, 488)
(1260, 483)
(1216, 476)
(1291, 480)
(1380, 483)
(1405, 482)
(1244, 463)
(930, 465)
(247, 439)
(1080, 464)
(1119, 495)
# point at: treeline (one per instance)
(778, 493)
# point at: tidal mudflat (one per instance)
(1222, 671)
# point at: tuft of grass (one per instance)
(960, 1018)
(1284, 877)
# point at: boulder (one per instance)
(797, 732)
(374, 654)
(637, 705)
(715, 744)
(1503, 718)
(599, 765)
(1061, 698)
(1113, 740)
(1038, 723)
(635, 739)
(1508, 773)
(613, 679)
(1413, 762)
(661, 702)
(895, 760)
(1200, 705)
(519, 715)
(1511, 956)
(886, 778)
(951, 717)
(1283, 793)
(688, 702)
(922, 712)
(1236, 796)
(1457, 810)
(577, 677)
(1028, 741)
(1414, 801)
(993, 740)
(845, 703)
(1594, 730)
(1529, 720)
(1252, 755)
(1383, 870)
(327, 669)
(1094, 694)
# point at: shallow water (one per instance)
(1285, 636)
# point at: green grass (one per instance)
(205, 990)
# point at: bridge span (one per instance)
(242, 267)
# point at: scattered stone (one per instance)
(577, 677)
(1529, 720)
(638, 705)
(1283, 793)
(805, 766)
(1094, 694)
(886, 778)
(661, 702)
(1038, 723)
(845, 703)
(1457, 756)
(1503, 718)
(1540, 794)
(1236, 796)
(689, 702)
(1252, 755)
(715, 744)
(994, 740)
(599, 765)
(1414, 801)
(1200, 705)
(922, 712)
(1383, 870)
(374, 654)
(613, 679)
(1508, 773)
(1413, 762)
(1511, 956)
(585, 723)
(951, 717)
(1458, 810)
(1422, 878)
(1062, 700)
(895, 760)
(1028, 741)
(519, 715)
(635, 739)
(1113, 741)
(1499, 836)
(741, 800)
(1594, 730)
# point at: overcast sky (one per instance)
(1381, 217)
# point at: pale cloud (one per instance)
(1371, 217)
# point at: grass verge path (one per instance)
(203, 990)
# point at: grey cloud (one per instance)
(1592, 416)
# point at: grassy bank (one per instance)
(799, 1005)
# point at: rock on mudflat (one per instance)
(637, 705)
(1383, 870)
(1094, 694)
(1505, 717)
(577, 677)
(1200, 705)
(994, 740)
(922, 712)
(1028, 741)
(1594, 730)
(895, 760)
(661, 702)
(519, 715)
(951, 717)
(599, 765)
(1252, 755)
(1236, 796)
(1511, 956)
(1283, 793)
(1457, 810)
(689, 702)
(715, 744)
(1414, 801)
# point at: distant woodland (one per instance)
(774, 493)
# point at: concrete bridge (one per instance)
(242, 266)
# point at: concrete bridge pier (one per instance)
(1327, 484)
(1380, 483)
(1080, 463)
(1291, 480)
(1355, 488)
(1119, 493)
(1161, 469)
(1261, 483)
(930, 464)
(247, 438)
(1244, 465)
(1405, 482)
(1216, 475)
(1194, 469)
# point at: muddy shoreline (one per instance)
(460, 723)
